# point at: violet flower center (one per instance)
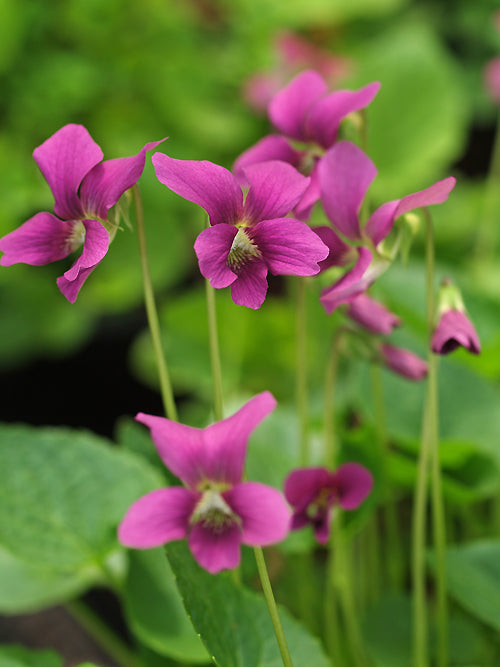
(77, 236)
(243, 250)
(213, 512)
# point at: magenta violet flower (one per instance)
(453, 328)
(372, 315)
(84, 190)
(246, 240)
(314, 492)
(304, 111)
(345, 174)
(215, 510)
(403, 362)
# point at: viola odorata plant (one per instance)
(453, 327)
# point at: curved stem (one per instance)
(214, 352)
(152, 313)
(112, 644)
(301, 387)
(273, 609)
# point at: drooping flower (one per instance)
(84, 190)
(453, 329)
(246, 240)
(304, 111)
(215, 510)
(345, 174)
(403, 362)
(372, 315)
(314, 492)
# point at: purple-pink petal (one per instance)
(403, 362)
(215, 551)
(352, 284)
(64, 159)
(289, 107)
(303, 485)
(225, 442)
(303, 209)
(453, 330)
(40, 240)
(71, 288)
(250, 288)
(275, 188)
(265, 516)
(372, 315)
(327, 113)
(180, 447)
(345, 174)
(380, 223)
(212, 248)
(289, 247)
(353, 483)
(204, 183)
(339, 254)
(492, 79)
(103, 186)
(157, 518)
(272, 147)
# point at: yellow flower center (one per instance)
(242, 250)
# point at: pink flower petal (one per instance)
(64, 159)
(289, 247)
(326, 114)
(403, 362)
(95, 248)
(303, 485)
(453, 330)
(289, 107)
(265, 516)
(226, 441)
(275, 188)
(250, 288)
(372, 315)
(215, 551)
(340, 253)
(40, 240)
(353, 483)
(272, 147)
(157, 518)
(380, 223)
(103, 186)
(207, 184)
(303, 209)
(345, 174)
(180, 447)
(212, 248)
(492, 79)
(351, 285)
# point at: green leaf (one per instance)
(418, 121)
(18, 656)
(233, 622)
(63, 494)
(474, 579)
(155, 611)
(26, 588)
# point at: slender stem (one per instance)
(330, 451)
(214, 352)
(301, 387)
(273, 609)
(152, 313)
(438, 514)
(390, 514)
(112, 644)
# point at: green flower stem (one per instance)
(438, 514)
(301, 386)
(112, 645)
(214, 352)
(394, 547)
(152, 313)
(271, 605)
(330, 442)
